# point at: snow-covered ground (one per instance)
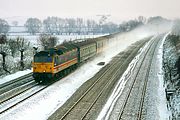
(161, 98)
(42, 105)
(14, 76)
(171, 75)
(159, 94)
(107, 109)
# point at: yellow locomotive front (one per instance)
(43, 66)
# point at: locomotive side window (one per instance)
(56, 60)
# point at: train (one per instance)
(54, 63)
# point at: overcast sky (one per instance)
(118, 9)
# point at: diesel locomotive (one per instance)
(56, 62)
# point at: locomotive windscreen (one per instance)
(42, 57)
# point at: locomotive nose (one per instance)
(42, 67)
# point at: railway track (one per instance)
(2, 86)
(124, 111)
(84, 106)
(15, 85)
(17, 99)
(91, 94)
(140, 111)
(18, 90)
(87, 94)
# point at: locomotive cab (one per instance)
(54, 63)
(43, 66)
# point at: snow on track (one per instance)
(162, 105)
(14, 76)
(106, 111)
(160, 98)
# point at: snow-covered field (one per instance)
(42, 105)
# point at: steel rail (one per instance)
(134, 80)
(113, 66)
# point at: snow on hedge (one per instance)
(176, 27)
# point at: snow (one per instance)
(176, 27)
(107, 109)
(42, 105)
(14, 76)
(17, 29)
(170, 59)
(161, 99)
(175, 106)
(162, 106)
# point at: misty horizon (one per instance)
(119, 10)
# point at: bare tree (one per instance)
(43, 40)
(129, 25)
(33, 25)
(47, 41)
(13, 44)
(22, 45)
(3, 39)
(3, 50)
(4, 26)
(176, 27)
(142, 19)
(91, 25)
(15, 23)
(16, 45)
(53, 25)
(110, 28)
(79, 25)
(60, 25)
(71, 25)
(52, 41)
(4, 61)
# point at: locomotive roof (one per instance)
(60, 49)
(65, 47)
(83, 43)
(43, 53)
